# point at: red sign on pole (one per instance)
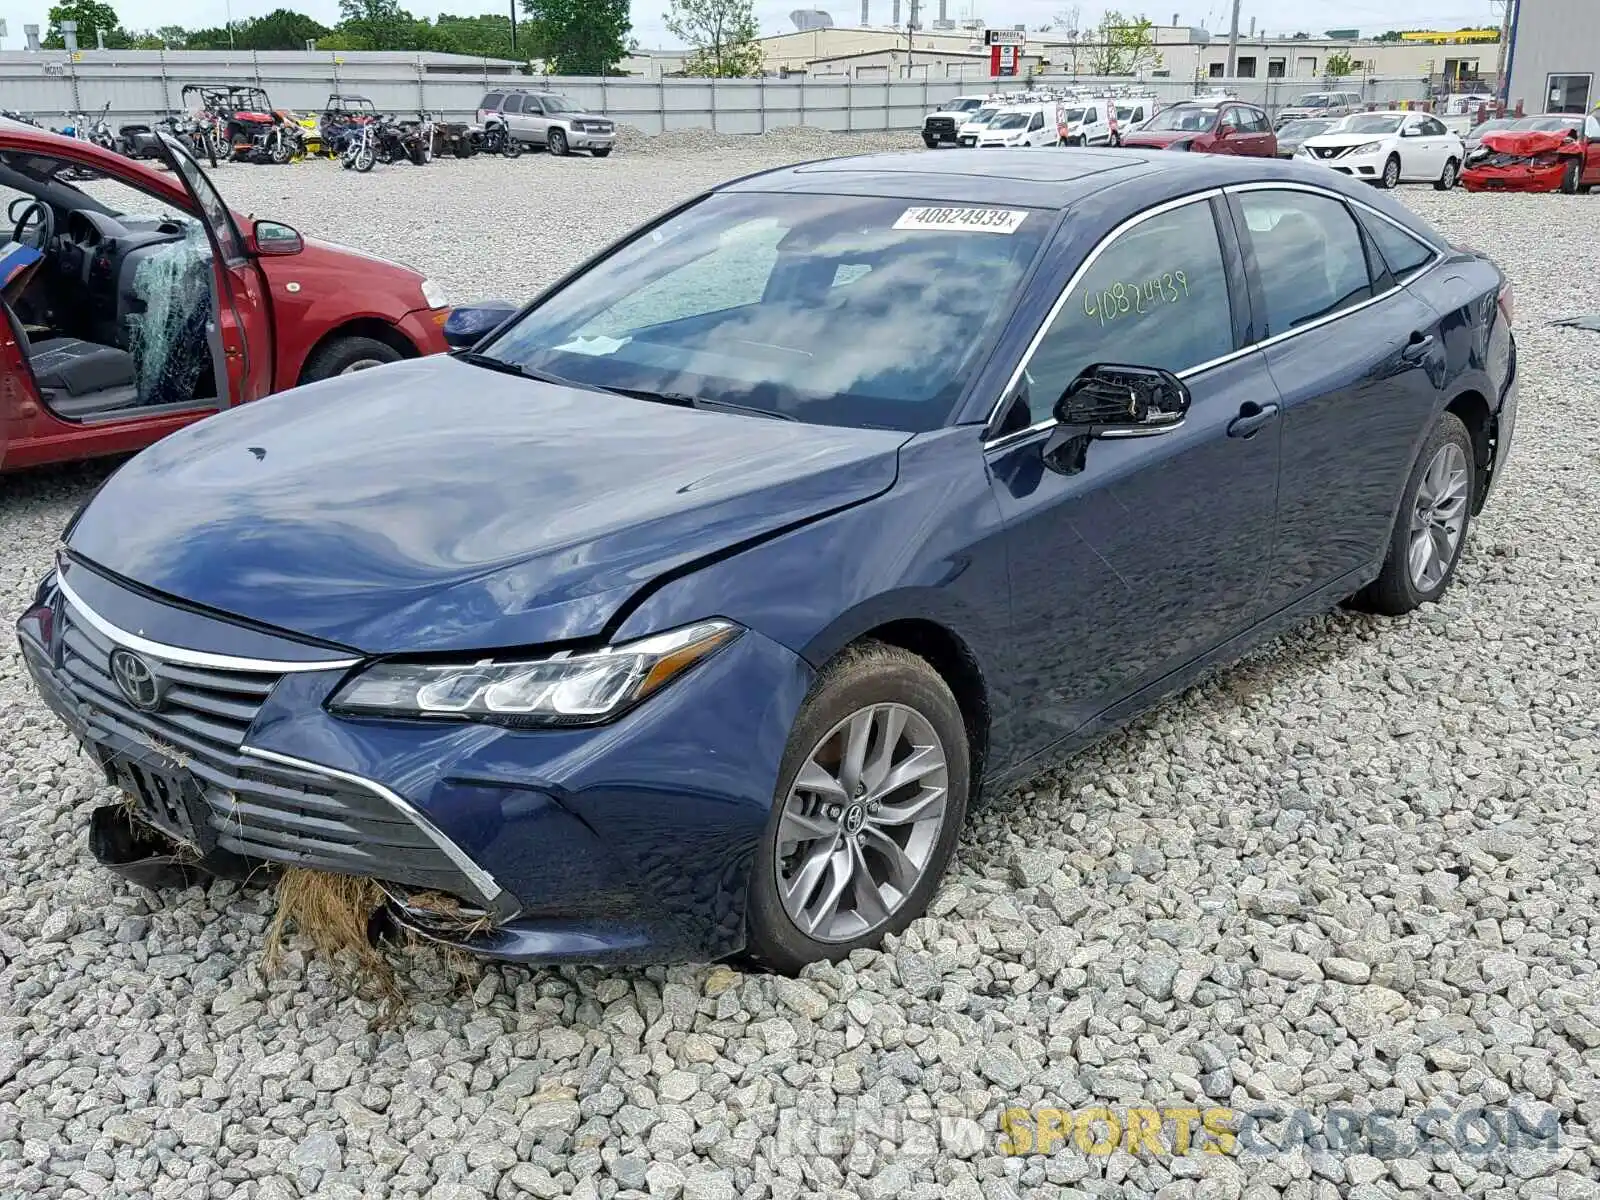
(1002, 60)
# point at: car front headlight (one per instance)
(1369, 148)
(433, 295)
(584, 688)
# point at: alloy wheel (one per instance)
(1438, 517)
(361, 364)
(1391, 173)
(861, 821)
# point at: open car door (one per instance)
(244, 323)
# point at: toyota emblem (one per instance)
(135, 680)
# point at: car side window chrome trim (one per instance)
(191, 658)
(487, 885)
(1093, 256)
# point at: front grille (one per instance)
(942, 125)
(1328, 151)
(258, 809)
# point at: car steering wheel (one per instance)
(46, 228)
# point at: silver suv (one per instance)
(548, 119)
(1319, 104)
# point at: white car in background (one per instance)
(1387, 148)
(968, 134)
(1023, 125)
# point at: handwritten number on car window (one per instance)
(1134, 298)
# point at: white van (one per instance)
(1022, 125)
(1131, 112)
(1085, 122)
(969, 133)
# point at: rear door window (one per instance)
(1309, 253)
(513, 104)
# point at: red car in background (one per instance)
(1207, 127)
(136, 302)
(1553, 153)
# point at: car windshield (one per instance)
(983, 116)
(1376, 123)
(1125, 114)
(836, 310)
(1315, 100)
(1183, 117)
(1300, 130)
(556, 104)
(1073, 115)
(1010, 120)
(962, 105)
(1491, 126)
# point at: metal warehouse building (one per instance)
(1554, 53)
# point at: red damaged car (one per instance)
(1554, 153)
(136, 302)
(1207, 126)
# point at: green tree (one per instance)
(175, 36)
(281, 29)
(722, 34)
(1392, 35)
(1339, 64)
(92, 16)
(488, 35)
(578, 37)
(216, 38)
(1122, 45)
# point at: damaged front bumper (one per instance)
(1523, 176)
(628, 842)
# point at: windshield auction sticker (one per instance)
(963, 220)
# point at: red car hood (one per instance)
(1158, 138)
(1528, 142)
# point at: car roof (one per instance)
(1045, 177)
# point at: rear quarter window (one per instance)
(1403, 252)
(491, 102)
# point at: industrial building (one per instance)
(1553, 54)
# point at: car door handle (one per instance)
(1251, 418)
(1419, 347)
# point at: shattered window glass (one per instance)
(168, 338)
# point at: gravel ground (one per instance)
(1352, 880)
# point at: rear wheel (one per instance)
(871, 797)
(1570, 177)
(1447, 177)
(346, 355)
(1391, 172)
(512, 147)
(1431, 528)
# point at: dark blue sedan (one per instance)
(686, 612)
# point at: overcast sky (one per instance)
(1314, 16)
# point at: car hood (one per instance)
(1343, 141)
(433, 505)
(581, 116)
(1159, 138)
(1527, 142)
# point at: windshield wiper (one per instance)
(684, 400)
(479, 359)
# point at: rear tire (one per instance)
(512, 148)
(1447, 178)
(869, 841)
(1430, 531)
(344, 355)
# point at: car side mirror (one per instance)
(1112, 399)
(273, 239)
(471, 323)
(17, 207)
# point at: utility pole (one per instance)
(513, 26)
(1500, 82)
(1233, 41)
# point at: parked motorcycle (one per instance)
(194, 133)
(388, 141)
(279, 140)
(493, 137)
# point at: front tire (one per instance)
(1570, 177)
(1391, 173)
(512, 147)
(871, 798)
(346, 355)
(558, 143)
(1447, 178)
(1430, 531)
